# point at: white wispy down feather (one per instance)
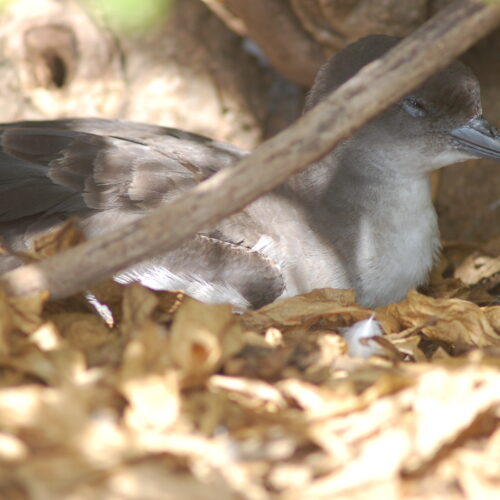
(359, 331)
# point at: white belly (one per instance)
(383, 257)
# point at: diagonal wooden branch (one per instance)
(291, 50)
(374, 88)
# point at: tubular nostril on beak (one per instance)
(488, 129)
(481, 124)
(479, 138)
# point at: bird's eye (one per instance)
(414, 107)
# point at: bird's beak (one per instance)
(478, 138)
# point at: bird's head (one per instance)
(438, 124)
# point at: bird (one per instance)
(360, 218)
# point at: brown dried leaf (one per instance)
(22, 314)
(474, 272)
(320, 402)
(454, 321)
(373, 472)
(202, 337)
(251, 393)
(446, 405)
(479, 469)
(147, 352)
(82, 331)
(477, 267)
(151, 480)
(53, 367)
(493, 315)
(65, 236)
(85, 332)
(138, 306)
(153, 402)
(296, 310)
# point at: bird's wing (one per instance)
(213, 271)
(45, 169)
(110, 171)
(191, 149)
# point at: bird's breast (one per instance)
(380, 243)
(397, 247)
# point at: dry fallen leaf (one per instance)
(202, 337)
(296, 310)
(453, 321)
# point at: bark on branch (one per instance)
(273, 25)
(374, 88)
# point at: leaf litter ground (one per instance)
(172, 398)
